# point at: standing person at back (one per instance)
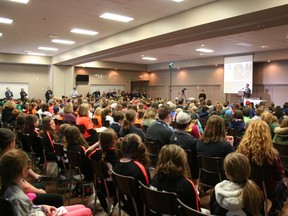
(48, 94)
(8, 94)
(74, 93)
(202, 96)
(160, 131)
(23, 94)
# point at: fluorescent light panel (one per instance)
(48, 48)
(177, 0)
(116, 17)
(1, 34)
(149, 58)
(20, 1)
(5, 20)
(38, 54)
(83, 31)
(204, 50)
(62, 41)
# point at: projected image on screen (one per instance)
(238, 71)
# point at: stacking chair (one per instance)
(210, 165)
(185, 210)
(127, 189)
(283, 151)
(76, 175)
(138, 125)
(6, 207)
(145, 128)
(106, 123)
(154, 149)
(159, 202)
(100, 171)
(62, 166)
(81, 128)
(260, 174)
(27, 147)
(237, 135)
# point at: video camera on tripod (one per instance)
(183, 90)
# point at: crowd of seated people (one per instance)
(201, 128)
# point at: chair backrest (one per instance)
(185, 210)
(282, 149)
(138, 125)
(6, 207)
(81, 128)
(75, 160)
(260, 175)
(212, 165)
(26, 142)
(126, 187)
(99, 168)
(237, 135)
(158, 201)
(106, 123)
(154, 149)
(95, 121)
(145, 128)
(59, 149)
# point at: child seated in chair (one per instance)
(105, 150)
(238, 195)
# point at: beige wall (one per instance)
(108, 77)
(270, 80)
(36, 76)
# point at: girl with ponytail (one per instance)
(238, 195)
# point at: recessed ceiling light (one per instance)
(1, 34)
(116, 17)
(48, 48)
(20, 1)
(62, 41)
(5, 20)
(264, 46)
(83, 31)
(38, 54)
(204, 50)
(244, 44)
(149, 58)
(177, 0)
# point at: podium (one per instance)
(241, 93)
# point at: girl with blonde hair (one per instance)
(83, 120)
(238, 194)
(257, 146)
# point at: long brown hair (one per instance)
(74, 137)
(172, 161)
(46, 127)
(131, 146)
(12, 164)
(214, 130)
(237, 168)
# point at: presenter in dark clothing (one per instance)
(247, 91)
(8, 94)
(23, 94)
(202, 96)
